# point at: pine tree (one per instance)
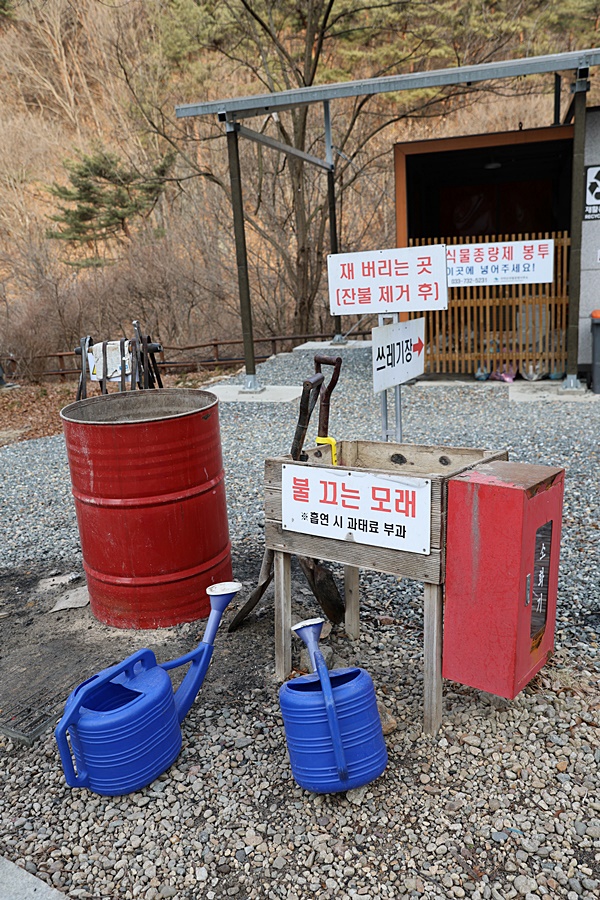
(103, 199)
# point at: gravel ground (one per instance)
(502, 803)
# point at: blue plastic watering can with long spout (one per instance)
(332, 726)
(121, 728)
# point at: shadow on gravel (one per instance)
(44, 654)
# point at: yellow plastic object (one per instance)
(332, 443)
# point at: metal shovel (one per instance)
(319, 578)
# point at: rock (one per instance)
(388, 722)
(499, 836)
(524, 884)
(356, 795)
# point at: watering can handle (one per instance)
(77, 700)
(334, 725)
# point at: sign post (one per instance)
(398, 357)
(388, 282)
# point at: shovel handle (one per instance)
(336, 362)
(311, 388)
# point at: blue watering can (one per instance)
(332, 726)
(123, 724)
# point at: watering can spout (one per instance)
(220, 596)
(310, 631)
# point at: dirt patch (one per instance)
(45, 654)
(30, 411)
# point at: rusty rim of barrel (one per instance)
(133, 407)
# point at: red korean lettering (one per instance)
(451, 255)
(478, 255)
(493, 253)
(347, 270)
(528, 251)
(384, 267)
(402, 292)
(345, 296)
(543, 250)
(464, 255)
(406, 503)
(424, 265)
(300, 489)
(329, 492)
(400, 268)
(429, 291)
(364, 294)
(386, 293)
(382, 499)
(350, 496)
(507, 252)
(368, 269)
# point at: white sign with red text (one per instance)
(508, 262)
(382, 510)
(380, 281)
(398, 353)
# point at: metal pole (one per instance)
(398, 410)
(333, 239)
(580, 89)
(383, 399)
(557, 86)
(386, 431)
(241, 255)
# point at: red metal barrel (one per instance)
(147, 477)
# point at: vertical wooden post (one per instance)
(432, 675)
(352, 596)
(283, 614)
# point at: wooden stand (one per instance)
(436, 463)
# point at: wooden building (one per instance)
(510, 186)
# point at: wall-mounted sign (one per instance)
(592, 193)
(382, 510)
(503, 262)
(384, 281)
(398, 353)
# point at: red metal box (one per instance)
(502, 550)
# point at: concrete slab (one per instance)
(548, 392)
(236, 393)
(17, 884)
(332, 348)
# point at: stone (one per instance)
(524, 884)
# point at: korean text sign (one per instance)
(384, 511)
(398, 353)
(383, 281)
(508, 262)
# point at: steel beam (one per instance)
(259, 138)
(579, 89)
(241, 255)
(333, 238)
(262, 104)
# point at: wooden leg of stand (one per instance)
(432, 676)
(352, 596)
(283, 615)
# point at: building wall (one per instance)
(590, 247)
